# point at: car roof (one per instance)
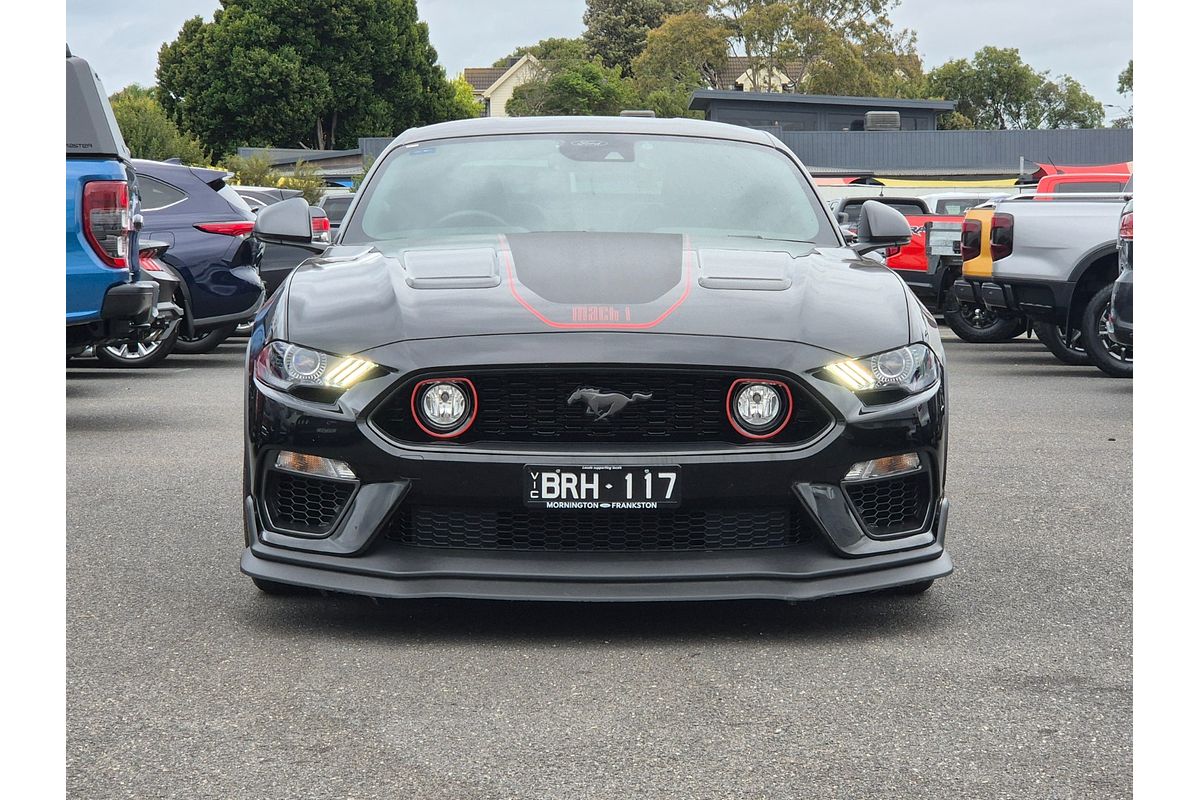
(499, 126)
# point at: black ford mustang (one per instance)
(593, 359)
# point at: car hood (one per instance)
(355, 298)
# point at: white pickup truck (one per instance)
(1051, 255)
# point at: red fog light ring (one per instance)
(459, 431)
(759, 435)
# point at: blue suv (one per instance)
(106, 299)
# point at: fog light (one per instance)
(884, 467)
(314, 465)
(444, 407)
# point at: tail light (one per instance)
(1126, 229)
(889, 252)
(320, 229)
(1002, 236)
(238, 228)
(108, 220)
(150, 263)
(972, 238)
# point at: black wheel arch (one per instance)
(1093, 271)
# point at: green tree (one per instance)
(252, 171)
(549, 51)
(1125, 87)
(996, 89)
(824, 46)
(148, 130)
(464, 98)
(303, 72)
(1125, 79)
(574, 88)
(615, 30)
(305, 178)
(1066, 104)
(688, 50)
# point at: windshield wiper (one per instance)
(766, 238)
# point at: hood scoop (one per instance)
(469, 268)
(743, 269)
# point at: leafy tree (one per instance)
(1125, 79)
(1066, 104)
(825, 46)
(688, 49)
(305, 178)
(549, 51)
(148, 130)
(574, 88)
(303, 72)
(1125, 87)
(254, 170)
(998, 90)
(616, 30)
(464, 98)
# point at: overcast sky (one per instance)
(1088, 39)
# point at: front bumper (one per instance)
(799, 574)
(361, 553)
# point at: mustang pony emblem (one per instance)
(605, 404)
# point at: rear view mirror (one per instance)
(881, 226)
(287, 222)
(843, 218)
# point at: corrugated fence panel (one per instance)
(964, 151)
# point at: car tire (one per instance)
(139, 354)
(1072, 354)
(911, 589)
(977, 324)
(1109, 355)
(206, 341)
(279, 589)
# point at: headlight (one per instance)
(444, 407)
(759, 409)
(303, 371)
(909, 369)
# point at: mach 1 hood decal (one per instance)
(598, 281)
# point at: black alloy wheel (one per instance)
(1066, 346)
(974, 322)
(1107, 353)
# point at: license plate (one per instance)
(601, 487)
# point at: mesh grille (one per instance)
(531, 406)
(892, 505)
(591, 531)
(308, 505)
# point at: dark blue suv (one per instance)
(208, 227)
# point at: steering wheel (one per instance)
(469, 213)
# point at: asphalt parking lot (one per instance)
(1009, 679)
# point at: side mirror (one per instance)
(843, 217)
(287, 222)
(881, 226)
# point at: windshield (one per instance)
(612, 183)
(958, 206)
(853, 210)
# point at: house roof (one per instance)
(736, 66)
(482, 78)
(500, 74)
(702, 98)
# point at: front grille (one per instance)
(531, 406)
(600, 531)
(892, 505)
(303, 504)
